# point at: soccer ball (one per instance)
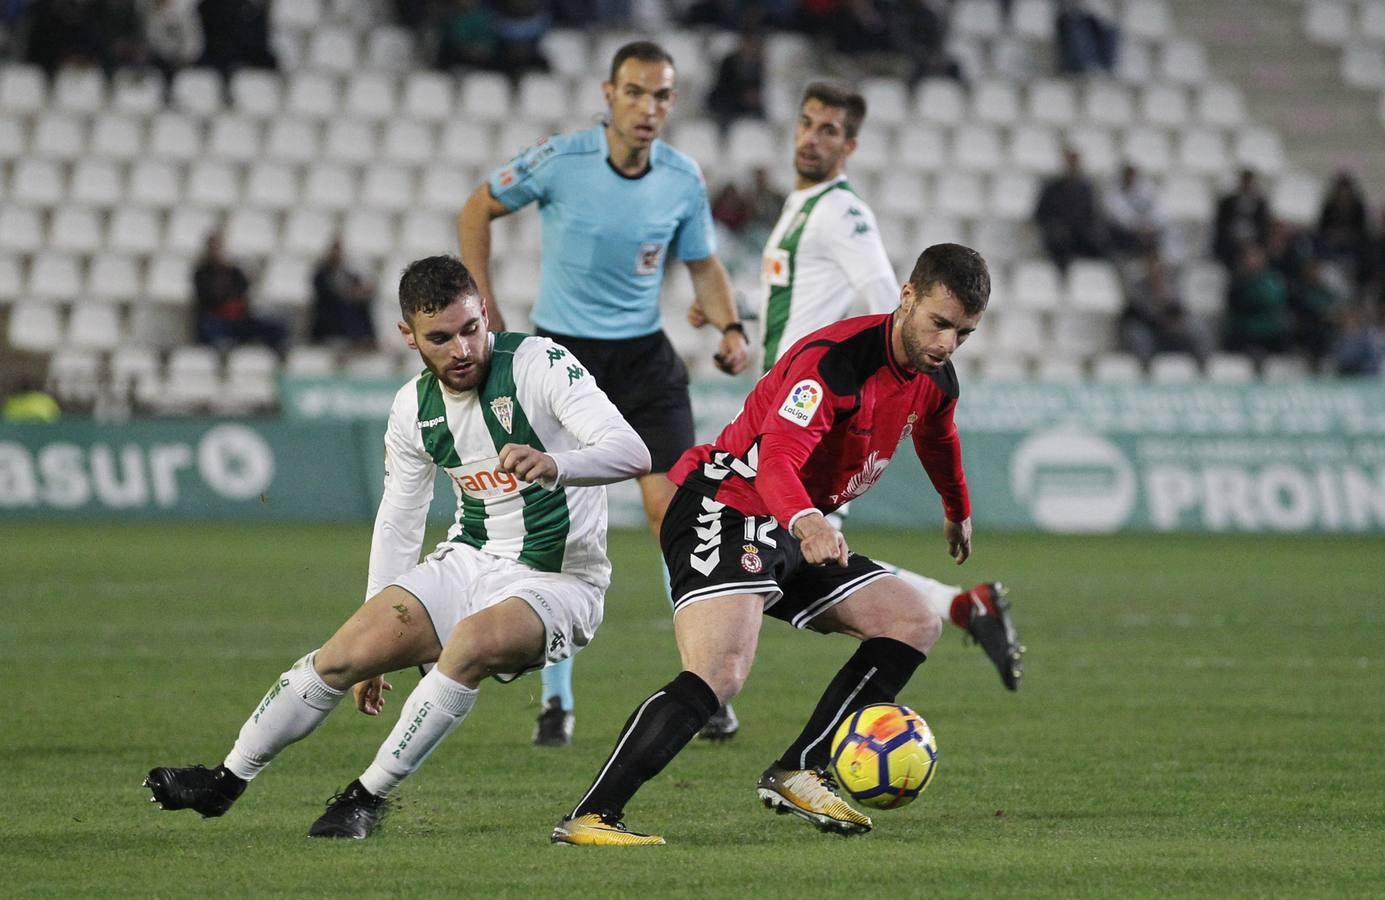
(884, 755)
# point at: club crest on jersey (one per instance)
(648, 259)
(504, 409)
(750, 559)
(802, 402)
(909, 425)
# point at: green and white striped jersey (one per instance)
(824, 253)
(536, 393)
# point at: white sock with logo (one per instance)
(433, 710)
(294, 706)
(935, 593)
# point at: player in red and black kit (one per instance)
(747, 534)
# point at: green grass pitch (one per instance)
(1200, 716)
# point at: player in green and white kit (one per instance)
(825, 261)
(528, 440)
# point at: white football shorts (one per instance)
(457, 580)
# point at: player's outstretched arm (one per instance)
(958, 538)
(712, 293)
(474, 239)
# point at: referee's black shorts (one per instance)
(647, 381)
(713, 550)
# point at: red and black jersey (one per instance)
(821, 426)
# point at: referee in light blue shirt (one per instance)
(615, 202)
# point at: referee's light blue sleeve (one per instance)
(696, 237)
(522, 180)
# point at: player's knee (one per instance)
(725, 675)
(335, 665)
(920, 630)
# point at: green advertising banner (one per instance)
(202, 469)
(1304, 456)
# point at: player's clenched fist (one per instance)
(820, 541)
(528, 464)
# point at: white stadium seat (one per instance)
(76, 229)
(1116, 368)
(138, 93)
(257, 93)
(213, 184)
(313, 95)
(112, 277)
(390, 48)
(370, 95)
(887, 100)
(58, 136)
(287, 281)
(117, 137)
(568, 51)
(1203, 288)
(1035, 148)
(96, 182)
(424, 233)
(976, 148)
(1012, 196)
(1222, 104)
(35, 327)
(1173, 368)
(387, 187)
(921, 147)
(134, 229)
(1032, 19)
(14, 137)
(1147, 19)
(234, 138)
(978, 18)
(1164, 104)
(272, 185)
(330, 187)
(307, 231)
(1202, 151)
(1107, 103)
(197, 91)
(959, 195)
(23, 89)
(293, 140)
(154, 183)
(995, 101)
(168, 279)
(333, 48)
(1184, 61)
(1327, 21)
(1227, 368)
(21, 229)
(486, 95)
(543, 97)
(1186, 198)
(55, 277)
(1370, 26)
(1052, 101)
(307, 360)
(446, 187)
(93, 326)
(1093, 286)
(1148, 148)
(79, 89)
(176, 136)
(368, 233)
(429, 96)
(408, 141)
(187, 229)
(350, 141)
(940, 100)
(251, 232)
(1035, 284)
(38, 182)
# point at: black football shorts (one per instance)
(713, 550)
(646, 380)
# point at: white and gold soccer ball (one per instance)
(884, 755)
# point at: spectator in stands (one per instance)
(1243, 217)
(235, 35)
(739, 90)
(65, 32)
(222, 291)
(1289, 249)
(1359, 346)
(1135, 222)
(1258, 317)
(173, 35)
(918, 33)
(766, 203)
(1068, 215)
(1087, 40)
(730, 209)
(1317, 301)
(466, 36)
(1343, 230)
(519, 27)
(1155, 319)
(342, 300)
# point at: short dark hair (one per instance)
(838, 97)
(432, 284)
(644, 51)
(959, 269)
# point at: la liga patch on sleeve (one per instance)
(802, 402)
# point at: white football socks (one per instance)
(297, 704)
(938, 595)
(437, 706)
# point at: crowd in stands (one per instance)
(1316, 291)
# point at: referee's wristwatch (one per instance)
(735, 326)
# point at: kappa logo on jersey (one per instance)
(507, 177)
(863, 480)
(647, 261)
(802, 402)
(504, 409)
(486, 480)
(429, 423)
(775, 267)
(750, 559)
